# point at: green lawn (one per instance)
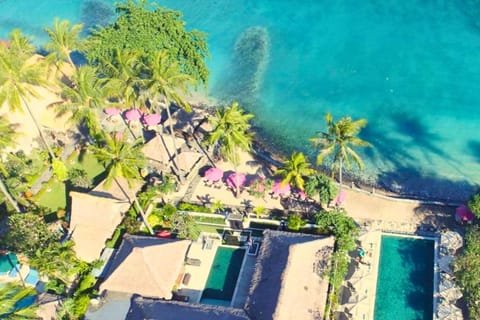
(216, 220)
(53, 194)
(89, 163)
(211, 229)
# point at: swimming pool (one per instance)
(405, 279)
(223, 276)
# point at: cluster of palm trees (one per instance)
(84, 90)
(337, 142)
(231, 134)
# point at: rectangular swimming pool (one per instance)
(223, 276)
(405, 279)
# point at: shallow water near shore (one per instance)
(411, 68)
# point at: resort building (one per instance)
(146, 266)
(287, 281)
(96, 214)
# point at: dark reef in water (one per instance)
(96, 13)
(249, 60)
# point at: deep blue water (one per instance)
(411, 68)
(405, 279)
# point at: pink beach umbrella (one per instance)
(340, 198)
(112, 111)
(152, 119)
(301, 194)
(133, 114)
(214, 174)
(280, 188)
(464, 214)
(118, 136)
(236, 180)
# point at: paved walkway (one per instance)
(243, 283)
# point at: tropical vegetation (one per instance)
(338, 142)
(231, 133)
(12, 296)
(322, 186)
(295, 169)
(146, 31)
(474, 204)
(467, 268)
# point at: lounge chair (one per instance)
(193, 262)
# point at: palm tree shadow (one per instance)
(411, 126)
(474, 149)
(409, 181)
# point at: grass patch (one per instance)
(201, 219)
(210, 229)
(54, 194)
(116, 239)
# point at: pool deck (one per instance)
(364, 279)
(199, 274)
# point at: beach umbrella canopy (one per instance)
(280, 188)
(464, 214)
(236, 180)
(213, 174)
(340, 198)
(133, 114)
(112, 111)
(152, 119)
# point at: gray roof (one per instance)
(144, 308)
(285, 285)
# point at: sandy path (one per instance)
(360, 205)
(27, 132)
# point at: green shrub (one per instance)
(79, 178)
(295, 222)
(474, 204)
(185, 206)
(116, 239)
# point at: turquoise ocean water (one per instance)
(411, 68)
(405, 279)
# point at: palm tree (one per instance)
(7, 138)
(63, 40)
(19, 78)
(230, 131)
(10, 295)
(122, 159)
(166, 81)
(338, 141)
(84, 99)
(295, 169)
(122, 76)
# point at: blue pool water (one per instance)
(405, 279)
(410, 67)
(223, 276)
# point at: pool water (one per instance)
(223, 276)
(405, 279)
(410, 68)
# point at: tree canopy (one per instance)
(27, 232)
(147, 29)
